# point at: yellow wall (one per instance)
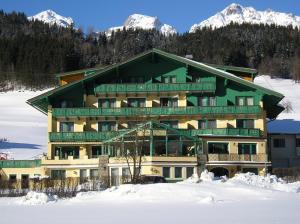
(26, 171)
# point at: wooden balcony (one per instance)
(238, 158)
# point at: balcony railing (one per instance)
(238, 158)
(88, 136)
(156, 87)
(20, 163)
(248, 132)
(154, 111)
(93, 136)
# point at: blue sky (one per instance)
(100, 15)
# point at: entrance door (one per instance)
(25, 181)
(115, 179)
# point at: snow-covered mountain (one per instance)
(144, 22)
(52, 18)
(239, 14)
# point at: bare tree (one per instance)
(133, 153)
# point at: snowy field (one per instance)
(26, 128)
(244, 199)
(285, 122)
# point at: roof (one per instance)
(250, 71)
(153, 125)
(86, 71)
(40, 102)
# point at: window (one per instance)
(58, 174)
(297, 142)
(240, 101)
(249, 101)
(65, 151)
(211, 124)
(202, 101)
(251, 170)
(212, 101)
(107, 126)
(245, 123)
(202, 124)
(96, 151)
(172, 124)
(107, 103)
(207, 101)
(66, 126)
(12, 178)
(136, 102)
(178, 172)
(166, 172)
(247, 148)
(94, 173)
(169, 79)
(278, 142)
(189, 172)
(169, 102)
(125, 172)
(218, 148)
(244, 101)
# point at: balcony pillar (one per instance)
(151, 141)
(82, 152)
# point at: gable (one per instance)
(152, 66)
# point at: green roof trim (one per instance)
(250, 71)
(39, 101)
(86, 71)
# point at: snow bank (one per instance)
(269, 182)
(194, 179)
(207, 176)
(35, 198)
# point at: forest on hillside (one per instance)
(31, 52)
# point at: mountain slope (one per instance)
(52, 18)
(138, 21)
(239, 14)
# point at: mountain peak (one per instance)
(236, 13)
(233, 8)
(139, 21)
(51, 17)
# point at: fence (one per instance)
(287, 174)
(66, 187)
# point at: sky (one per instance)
(100, 15)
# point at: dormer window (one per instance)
(169, 102)
(245, 101)
(169, 79)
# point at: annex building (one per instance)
(185, 115)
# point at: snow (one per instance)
(285, 122)
(24, 127)
(239, 14)
(245, 199)
(51, 17)
(35, 198)
(139, 21)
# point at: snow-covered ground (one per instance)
(24, 127)
(285, 122)
(245, 199)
